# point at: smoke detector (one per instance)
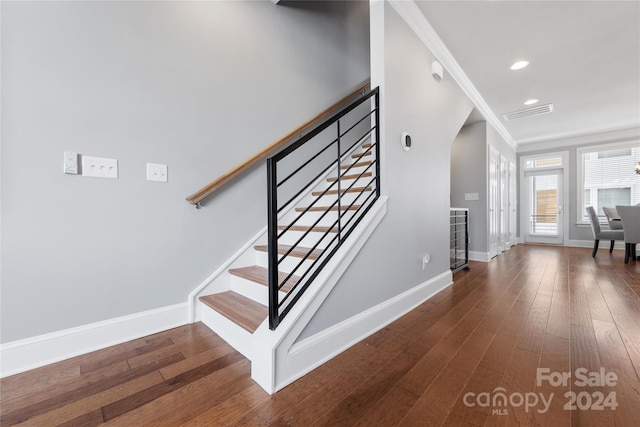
(528, 112)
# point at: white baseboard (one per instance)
(604, 244)
(479, 256)
(31, 353)
(312, 352)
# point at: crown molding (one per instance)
(593, 138)
(413, 16)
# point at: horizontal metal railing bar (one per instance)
(313, 248)
(314, 179)
(306, 210)
(359, 141)
(306, 284)
(306, 233)
(292, 291)
(287, 227)
(366, 187)
(363, 204)
(344, 177)
(325, 192)
(302, 189)
(317, 271)
(368, 115)
(329, 208)
(293, 271)
(352, 165)
(328, 123)
(307, 162)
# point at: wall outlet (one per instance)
(99, 167)
(425, 260)
(157, 172)
(70, 163)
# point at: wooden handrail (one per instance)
(229, 176)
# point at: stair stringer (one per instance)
(271, 349)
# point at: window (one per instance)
(543, 162)
(606, 177)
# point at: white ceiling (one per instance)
(584, 58)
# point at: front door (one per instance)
(544, 207)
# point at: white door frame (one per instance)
(564, 167)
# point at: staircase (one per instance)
(237, 312)
(323, 203)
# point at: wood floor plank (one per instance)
(57, 401)
(187, 402)
(366, 396)
(519, 378)
(142, 397)
(471, 408)
(584, 355)
(433, 406)
(555, 358)
(73, 412)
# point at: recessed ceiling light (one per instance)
(530, 101)
(519, 65)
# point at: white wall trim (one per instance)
(30, 353)
(416, 20)
(479, 256)
(323, 346)
(604, 245)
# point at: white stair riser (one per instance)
(309, 241)
(287, 265)
(234, 335)
(252, 290)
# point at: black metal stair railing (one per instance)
(459, 239)
(343, 154)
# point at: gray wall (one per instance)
(200, 86)
(469, 175)
(416, 182)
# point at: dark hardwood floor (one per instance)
(489, 350)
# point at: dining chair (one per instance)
(613, 218)
(599, 234)
(631, 225)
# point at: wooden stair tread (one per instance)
(356, 165)
(298, 252)
(366, 145)
(350, 190)
(317, 228)
(243, 311)
(260, 275)
(357, 156)
(325, 208)
(354, 176)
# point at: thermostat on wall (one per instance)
(406, 141)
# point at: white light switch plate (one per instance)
(471, 196)
(157, 172)
(99, 167)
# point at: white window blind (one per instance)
(607, 177)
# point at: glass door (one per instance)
(544, 209)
